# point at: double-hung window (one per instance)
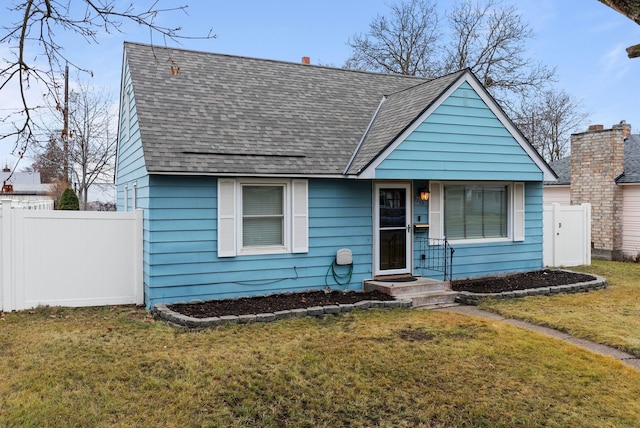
(262, 216)
(471, 212)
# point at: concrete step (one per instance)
(433, 299)
(401, 288)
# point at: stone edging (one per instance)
(176, 319)
(469, 298)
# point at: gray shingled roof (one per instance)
(225, 114)
(562, 168)
(631, 160)
(631, 164)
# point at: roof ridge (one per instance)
(462, 71)
(279, 61)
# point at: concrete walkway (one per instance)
(621, 356)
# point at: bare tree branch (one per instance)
(483, 36)
(549, 120)
(37, 58)
(404, 43)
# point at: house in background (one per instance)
(254, 174)
(26, 186)
(603, 170)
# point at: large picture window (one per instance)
(476, 211)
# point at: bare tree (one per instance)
(92, 145)
(549, 120)
(48, 160)
(484, 36)
(490, 39)
(36, 58)
(403, 43)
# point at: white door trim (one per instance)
(405, 185)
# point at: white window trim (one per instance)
(515, 210)
(296, 222)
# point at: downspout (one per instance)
(366, 132)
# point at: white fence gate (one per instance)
(567, 235)
(69, 258)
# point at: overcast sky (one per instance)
(584, 39)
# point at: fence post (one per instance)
(6, 262)
(139, 279)
(586, 215)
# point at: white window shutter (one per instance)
(436, 223)
(518, 211)
(226, 217)
(300, 216)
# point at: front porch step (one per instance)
(401, 288)
(433, 299)
(423, 292)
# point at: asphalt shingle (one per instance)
(225, 114)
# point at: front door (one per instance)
(392, 228)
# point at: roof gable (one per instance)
(466, 92)
(397, 112)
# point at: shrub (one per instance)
(69, 201)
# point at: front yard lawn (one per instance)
(391, 368)
(610, 316)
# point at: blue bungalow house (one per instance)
(254, 174)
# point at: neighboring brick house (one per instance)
(603, 170)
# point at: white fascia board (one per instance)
(548, 174)
(122, 76)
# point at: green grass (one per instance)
(610, 316)
(117, 367)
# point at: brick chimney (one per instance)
(597, 159)
(306, 60)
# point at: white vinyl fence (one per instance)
(567, 235)
(69, 258)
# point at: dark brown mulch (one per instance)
(281, 302)
(521, 281)
(273, 303)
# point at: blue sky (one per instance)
(584, 39)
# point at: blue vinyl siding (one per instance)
(461, 140)
(130, 159)
(181, 243)
(473, 260)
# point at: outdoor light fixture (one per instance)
(424, 194)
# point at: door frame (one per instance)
(407, 186)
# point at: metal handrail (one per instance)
(435, 255)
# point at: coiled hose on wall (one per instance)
(341, 279)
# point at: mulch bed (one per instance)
(521, 281)
(273, 303)
(282, 302)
